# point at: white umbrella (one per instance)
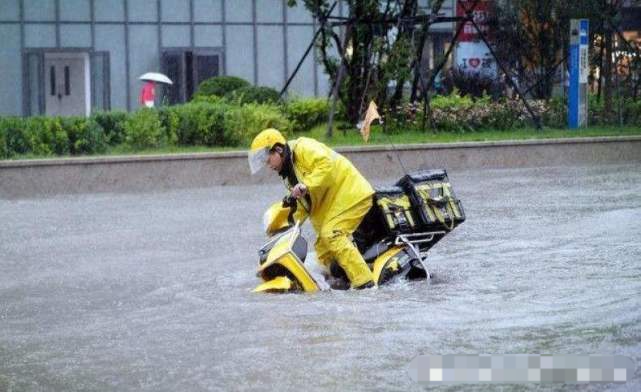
(156, 77)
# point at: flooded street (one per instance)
(151, 292)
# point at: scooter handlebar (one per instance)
(289, 201)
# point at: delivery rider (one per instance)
(332, 191)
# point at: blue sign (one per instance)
(579, 69)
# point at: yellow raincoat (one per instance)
(340, 198)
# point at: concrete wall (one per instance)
(42, 178)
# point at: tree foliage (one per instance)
(532, 38)
(382, 45)
(529, 39)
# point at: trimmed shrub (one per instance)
(556, 113)
(45, 136)
(245, 122)
(626, 110)
(306, 113)
(220, 86)
(185, 123)
(11, 132)
(632, 111)
(170, 121)
(210, 99)
(4, 148)
(113, 124)
(452, 101)
(454, 113)
(144, 130)
(253, 94)
(201, 123)
(85, 136)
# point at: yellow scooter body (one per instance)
(276, 219)
(398, 261)
(283, 269)
(278, 284)
(386, 262)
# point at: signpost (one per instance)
(579, 68)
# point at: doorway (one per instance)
(67, 84)
(187, 68)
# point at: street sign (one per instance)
(579, 70)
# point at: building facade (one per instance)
(72, 57)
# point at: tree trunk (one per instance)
(601, 55)
(607, 72)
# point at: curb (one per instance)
(152, 173)
(351, 149)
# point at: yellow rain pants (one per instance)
(340, 198)
(334, 243)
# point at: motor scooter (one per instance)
(405, 221)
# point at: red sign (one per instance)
(472, 54)
(481, 15)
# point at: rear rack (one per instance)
(416, 242)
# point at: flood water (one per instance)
(151, 292)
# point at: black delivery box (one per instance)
(397, 212)
(436, 205)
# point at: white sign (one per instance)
(583, 64)
(475, 58)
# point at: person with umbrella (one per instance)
(148, 92)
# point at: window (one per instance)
(187, 69)
(52, 79)
(67, 83)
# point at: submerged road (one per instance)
(151, 292)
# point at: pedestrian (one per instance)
(148, 94)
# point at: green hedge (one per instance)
(143, 129)
(455, 113)
(253, 94)
(306, 113)
(113, 123)
(84, 136)
(511, 114)
(224, 124)
(624, 110)
(219, 86)
(194, 124)
(12, 137)
(48, 136)
(203, 124)
(247, 121)
(216, 121)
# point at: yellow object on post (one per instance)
(370, 116)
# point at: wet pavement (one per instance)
(151, 292)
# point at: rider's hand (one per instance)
(299, 190)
